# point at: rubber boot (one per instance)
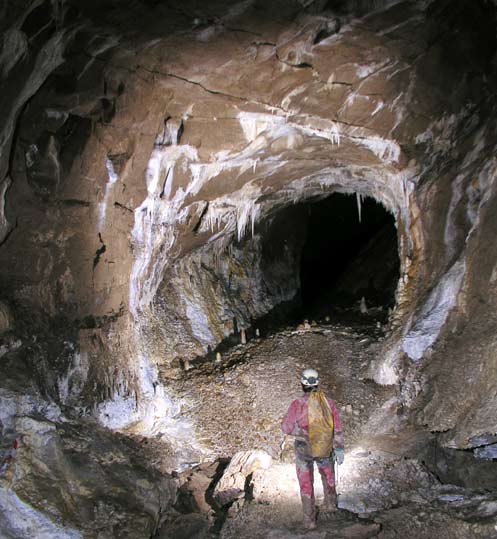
(309, 509)
(330, 503)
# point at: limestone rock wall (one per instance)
(131, 158)
(217, 291)
(64, 477)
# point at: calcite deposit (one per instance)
(158, 165)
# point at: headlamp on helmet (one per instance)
(310, 378)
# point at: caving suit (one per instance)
(296, 423)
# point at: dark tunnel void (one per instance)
(345, 258)
(341, 257)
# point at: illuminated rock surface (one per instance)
(172, 175)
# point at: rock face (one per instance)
(70, 479)
(147, 176)
(6, 321)
(231, 486)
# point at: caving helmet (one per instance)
(310, 378)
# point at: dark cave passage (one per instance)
(330, 259)
(339, 258)
(346, 256)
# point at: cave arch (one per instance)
(252, 279)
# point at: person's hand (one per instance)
(339, 455)
(298, 432)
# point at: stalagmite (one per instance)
(243, 336)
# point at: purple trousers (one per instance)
(305, 470)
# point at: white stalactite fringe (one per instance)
(246, 214)
(152, 412)
(153, 232)
(260, 128)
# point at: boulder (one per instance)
(232, 485)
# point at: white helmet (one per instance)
(310, 378)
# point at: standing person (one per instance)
(314, 421)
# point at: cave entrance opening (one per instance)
(348, 257)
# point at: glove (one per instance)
(339, 455)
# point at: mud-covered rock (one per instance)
(194, 494)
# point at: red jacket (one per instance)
(296, 421)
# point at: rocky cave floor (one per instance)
(239, 402)
(237, 405)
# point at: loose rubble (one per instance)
(384, 490)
